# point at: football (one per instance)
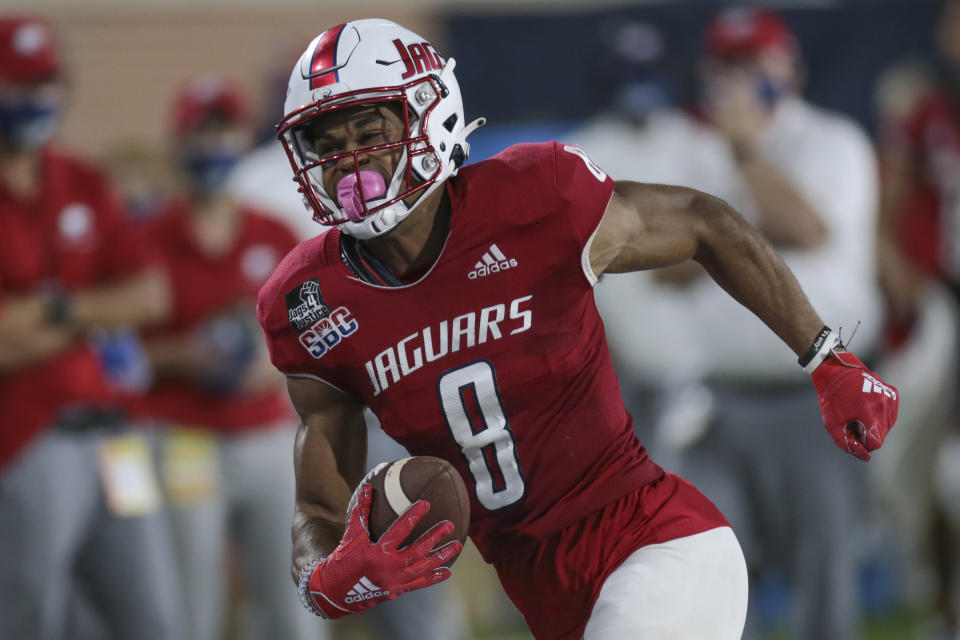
(402, 482)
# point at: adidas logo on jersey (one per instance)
(364, 590)
(872, 385)
(492, 261)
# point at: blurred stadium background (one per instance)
(537, 69)
(530, 61)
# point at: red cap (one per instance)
(739, 31)
(28, 50)
(205, 96)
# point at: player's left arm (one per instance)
(647, 226)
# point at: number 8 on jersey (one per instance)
(474, 413)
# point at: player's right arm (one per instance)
(329, 458)
(339, 570)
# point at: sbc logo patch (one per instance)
(327, 332)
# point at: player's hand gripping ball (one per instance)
(858, 408)
(398, 484)
(409, 548)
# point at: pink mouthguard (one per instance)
(348, 192)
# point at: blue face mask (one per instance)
(28, 123)
(208, 171)
(768, 91)
(144, 206)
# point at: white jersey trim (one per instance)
(313, 377)
(592, 277)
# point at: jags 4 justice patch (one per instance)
(305, 305)
(320, 327)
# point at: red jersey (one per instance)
(204, 286)
(72, 235)
(495, 359)
(929, 224)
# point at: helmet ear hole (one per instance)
(450, 123)
(458, 155)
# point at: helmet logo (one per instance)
(324, 59)
(418, 57)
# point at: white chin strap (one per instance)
(378, 223)
(462, 136)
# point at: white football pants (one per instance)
(690, 588)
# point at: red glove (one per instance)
(360, 573)
(858, 408)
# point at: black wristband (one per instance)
(58, 307)
(817, 348)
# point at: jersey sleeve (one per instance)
(585, 190)
(287, 354)
(271, 313)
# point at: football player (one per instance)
(456, 302)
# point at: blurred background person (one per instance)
(807, 179)
(227, 427)
(919, 265)
(263, 178)
(78, 499)
(641, 135)
(144, 178)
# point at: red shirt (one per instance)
(71, 234)
(495, 360)
(927, 224)
(203, 287)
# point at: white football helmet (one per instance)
(366, 62)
